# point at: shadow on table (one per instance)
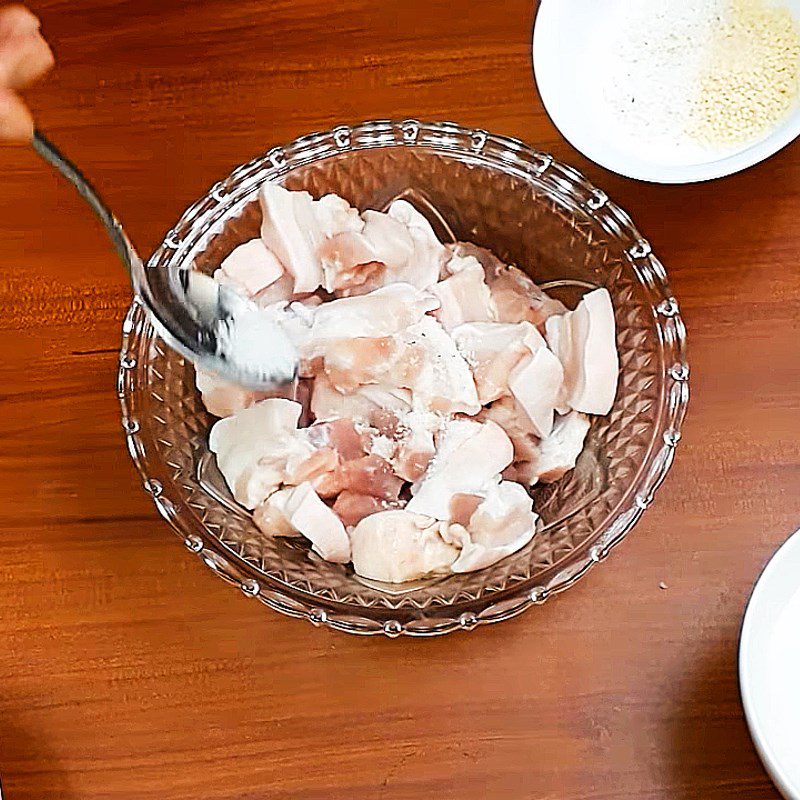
(28, 770)
(711, 754)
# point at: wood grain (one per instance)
(128, 671)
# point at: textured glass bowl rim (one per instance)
(510, 155)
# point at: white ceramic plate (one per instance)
(572, 43)
(769, 667)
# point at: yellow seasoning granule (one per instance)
(752, 76)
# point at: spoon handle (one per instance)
(125, 249)
(188, 309)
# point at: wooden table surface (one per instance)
(128, 671)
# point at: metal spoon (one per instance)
(193, 313)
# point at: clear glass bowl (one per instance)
(529, 210)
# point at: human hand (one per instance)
(24, 57)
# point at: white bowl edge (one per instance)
(552, 57)
(778, 583)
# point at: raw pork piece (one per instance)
(516, 297)
(253, 447)
(505, 514)
(560, 450)
(349, 281)
(328, 403)
(327, 445)
(492, 349)
(502, 524)
(511, 417)
(279, 291)
(350, 363)
(421, 358)
(330, 445)
(397, 546)
(270, 516)
(536, 383)
(302, 510)
(352, 507)
(221, 398)
(415, 450)
(252, 267)
(443, 382)
(469, 459)
(352, 264)
(464, 296)
(585, 342)
(295, 226)
(424, 264)
(369, 475)
(398, 246)
(339, 435)
(391, 242)
(384, 312)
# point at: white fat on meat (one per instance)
(221, 398)
(413, 454)
(505, 514)
(464, 296)
(290, 230)
(253, 447)
(398, 546)
(516, 297)
(428, 254)
(423, 358)
(511, 417)
(270, 517)
(585, 342)
(281, 290)
(536, 383)
(252, 266)
(470, 457)
(414, 442)
(301, 509)
(443, 381)
(492, 350)
(503, 523)
(278, 290)
(393, 399)
(294, 227)
(328, 403)
(560, 450)
(389, 240)
(382, 445)
(350, 266)
(335, 216)
(384, 312)
(350, 363)
(398, 246)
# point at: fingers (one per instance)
(16, 19)
(24, 54)
(24, 57)
(16, 122)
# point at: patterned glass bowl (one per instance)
(529, 210)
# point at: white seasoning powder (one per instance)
(713, 73)
(257, 346)
(383, 446)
